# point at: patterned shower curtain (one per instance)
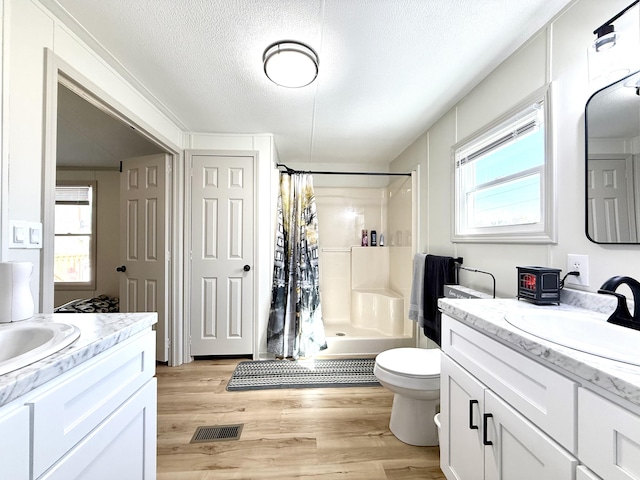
(295, 326)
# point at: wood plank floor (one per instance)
(328, 433)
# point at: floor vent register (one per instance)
(217, 433)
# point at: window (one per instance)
(503, 178)
(74, 247)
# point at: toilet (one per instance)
(413, 375)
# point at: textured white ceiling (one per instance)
(87, 135)
(388, 68)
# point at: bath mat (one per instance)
(273, 374)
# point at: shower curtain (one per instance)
(295, 327)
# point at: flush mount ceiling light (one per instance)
(290, 64)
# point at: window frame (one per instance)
(91, 284)
(543, 232)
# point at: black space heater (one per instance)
(539, 285)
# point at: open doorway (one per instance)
(90, 146)
(88, 141)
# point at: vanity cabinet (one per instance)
(70, 408)
(486, 438)
(504, 416)
(95, 421)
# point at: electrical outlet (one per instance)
(578, 263)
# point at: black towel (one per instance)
(438, 271)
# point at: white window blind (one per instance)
(73, 195)
(518, 128)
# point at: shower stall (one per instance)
(365, 289)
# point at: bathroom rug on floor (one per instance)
(272, 374)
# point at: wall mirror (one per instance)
(612, 136)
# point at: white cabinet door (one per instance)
(14, 444)
(609, 437)
(123, 447)
(85, 396)
(517, 450)
(462, 404)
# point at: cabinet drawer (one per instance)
(545, 397)
(83, 397)
(609, 437)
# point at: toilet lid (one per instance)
(413, 362)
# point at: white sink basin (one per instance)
(24, 343)
(589, 333)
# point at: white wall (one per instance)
(557, 54)
(28, 29)
(107, 233)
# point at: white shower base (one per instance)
(346, 340)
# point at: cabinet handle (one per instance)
(485, 417)
(471, 404)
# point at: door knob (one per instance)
(246, 268)
(122, 268)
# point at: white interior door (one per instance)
(611, 216)
(222, 206)
(144, 243)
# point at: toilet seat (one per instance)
(423, 363)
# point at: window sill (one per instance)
(532, 238)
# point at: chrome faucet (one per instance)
(621, 315)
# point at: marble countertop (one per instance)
(488, 316)
(98, 333)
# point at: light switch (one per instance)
(34, 235)
(25, 234)
(19, 234)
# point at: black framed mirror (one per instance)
(612, 155)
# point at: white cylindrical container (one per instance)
(16, 301)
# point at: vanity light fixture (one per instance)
(613, 53)
(606, 35)
(291, 64)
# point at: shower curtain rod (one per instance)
(291, 170)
